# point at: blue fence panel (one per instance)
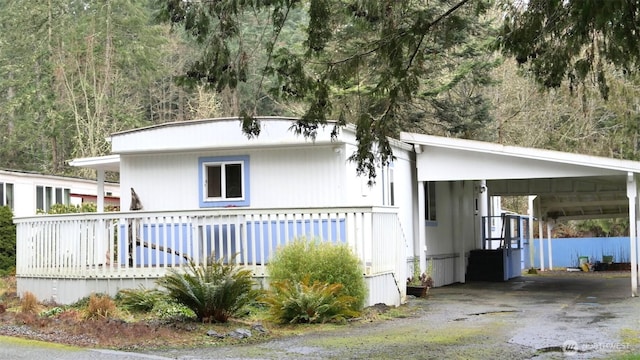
(258, 232)
(221, 240)
(566, 251)
(150, 246)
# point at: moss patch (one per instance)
(630, 336)
(7, 340)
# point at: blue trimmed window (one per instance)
(224, 181)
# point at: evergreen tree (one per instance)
(573, 40)
(365, 62)
(7, 241)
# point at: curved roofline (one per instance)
(348, 127)
(207, 120)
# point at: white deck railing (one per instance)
(145, 244)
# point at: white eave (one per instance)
(105, 163)
(567, 185)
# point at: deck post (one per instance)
(100, 191)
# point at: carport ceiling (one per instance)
(567, 186)
(570, 198)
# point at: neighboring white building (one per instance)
(27, 193)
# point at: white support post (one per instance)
(461, 233)
(100, 194)
(632, 194)
(550, 252)
(541, 239)
(531, 247)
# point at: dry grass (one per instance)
(29, 303)
(7, 289)
(100, 307)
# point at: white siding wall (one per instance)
(449, 241)
(440, 235)
(292, 177)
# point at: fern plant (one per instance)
(214, 292)
(141, 299)
(302, 302)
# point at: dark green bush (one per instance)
(214, 292)
(7, 242)
(301, 302)
(323, 262)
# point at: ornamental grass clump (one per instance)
(323, 262)
(100, 306)
(214, 292)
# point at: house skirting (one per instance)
(382, 288)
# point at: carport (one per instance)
(560, 185)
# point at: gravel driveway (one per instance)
(551, 316)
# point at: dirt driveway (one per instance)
(551, 316)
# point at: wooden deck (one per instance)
(66, 257)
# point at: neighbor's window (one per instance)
(430, 201)
(47, 196)
(224, 181)
(6, 195)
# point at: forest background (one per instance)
(73, 72)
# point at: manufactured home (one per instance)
(29, 193)
(202, 187)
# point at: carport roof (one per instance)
(567, 185)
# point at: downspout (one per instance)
(632, 194)
(483, 213)
(462, 233)
(420, 241)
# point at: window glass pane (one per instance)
(214, 183)
(39, 198)
(48, 195)
(67, 196)
(233, 180)
(2, 199)
(432, 201)
(9, 194)
(58, 196)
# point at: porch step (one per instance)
(486, 265)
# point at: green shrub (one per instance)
(171, 311)
(214, 292)
(52, 312)
(301, 302)
(70, 209)
(141, 299)
(7, 242)
(320, 261)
